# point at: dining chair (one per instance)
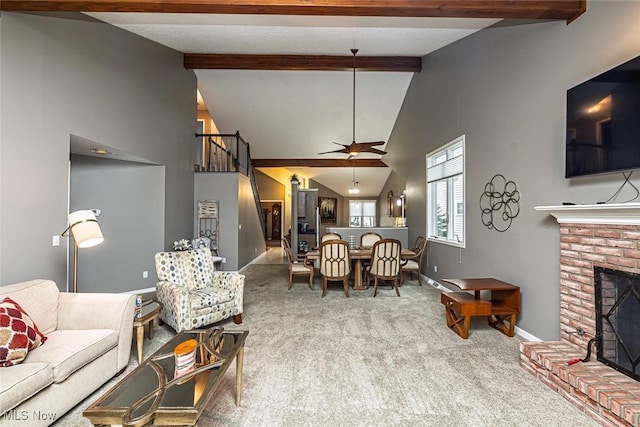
(330, 236)
(385, 263)
(298, 268)
(414, 264)
(335, 264)
(368, 239)
(366, 242)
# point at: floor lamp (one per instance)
(85, 230)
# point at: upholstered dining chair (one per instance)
(330, 236)
(414, 264)
(298, 268)
(366, 242)
(335, 264)
(368, 239)
(385, 263)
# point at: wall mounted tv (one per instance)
(603, 123)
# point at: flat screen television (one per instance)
(603, 123)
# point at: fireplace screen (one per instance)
(618, 320)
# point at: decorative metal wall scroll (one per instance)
(499, 203)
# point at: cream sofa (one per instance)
(88, 342)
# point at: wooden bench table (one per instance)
(503, 305)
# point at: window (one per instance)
(362, 213)
(445, 193)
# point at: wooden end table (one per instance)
(503, 305)
(150, 312)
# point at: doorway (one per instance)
(272, 215)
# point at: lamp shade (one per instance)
(85, 228)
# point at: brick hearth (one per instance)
(608, 396)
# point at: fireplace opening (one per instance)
(618, 320)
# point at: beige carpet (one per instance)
(364, 361)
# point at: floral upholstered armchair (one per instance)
(192, 293)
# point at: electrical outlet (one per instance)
(55, 241)
(224, 260)
(435, 268)
(145, 274)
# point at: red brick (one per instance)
(608, 395)
(570, 269)
(593, 241)
(578, 403)
(583, 248)
(561, 384)
(581, 231)
(585, 279)
(627, 244)
(593, 257)
(603, 232)
(632, 414)
(580, 263)
(611, 419)
(546, 381)
(617, 252)
(594, 390)
(569, 254)
(634, 235)
(623, 262)
(570, 284)
(567, 238)
(632, 254)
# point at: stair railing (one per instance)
(227, 153)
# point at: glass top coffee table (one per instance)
(151, 394)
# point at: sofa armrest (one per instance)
(100, 311)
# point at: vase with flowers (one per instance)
(182, 245)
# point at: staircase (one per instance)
(227, 153)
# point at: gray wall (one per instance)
(241, 237)
(63, 76)
(130, 197)
(505, 89)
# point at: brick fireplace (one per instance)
(591, 236)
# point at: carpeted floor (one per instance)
(364, 361)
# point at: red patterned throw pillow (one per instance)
(18, 333)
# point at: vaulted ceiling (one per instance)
(280, 72)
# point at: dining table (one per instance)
(357, 254)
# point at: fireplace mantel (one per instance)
(613, 213)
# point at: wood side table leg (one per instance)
(454, 322)
(139, 340)
(151, 329)
(496, 321)
(239, 363)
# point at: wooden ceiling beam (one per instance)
(318, 163)
(567, 10)
(205, 61)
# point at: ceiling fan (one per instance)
(357, 147)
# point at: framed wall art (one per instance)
(328, 210)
